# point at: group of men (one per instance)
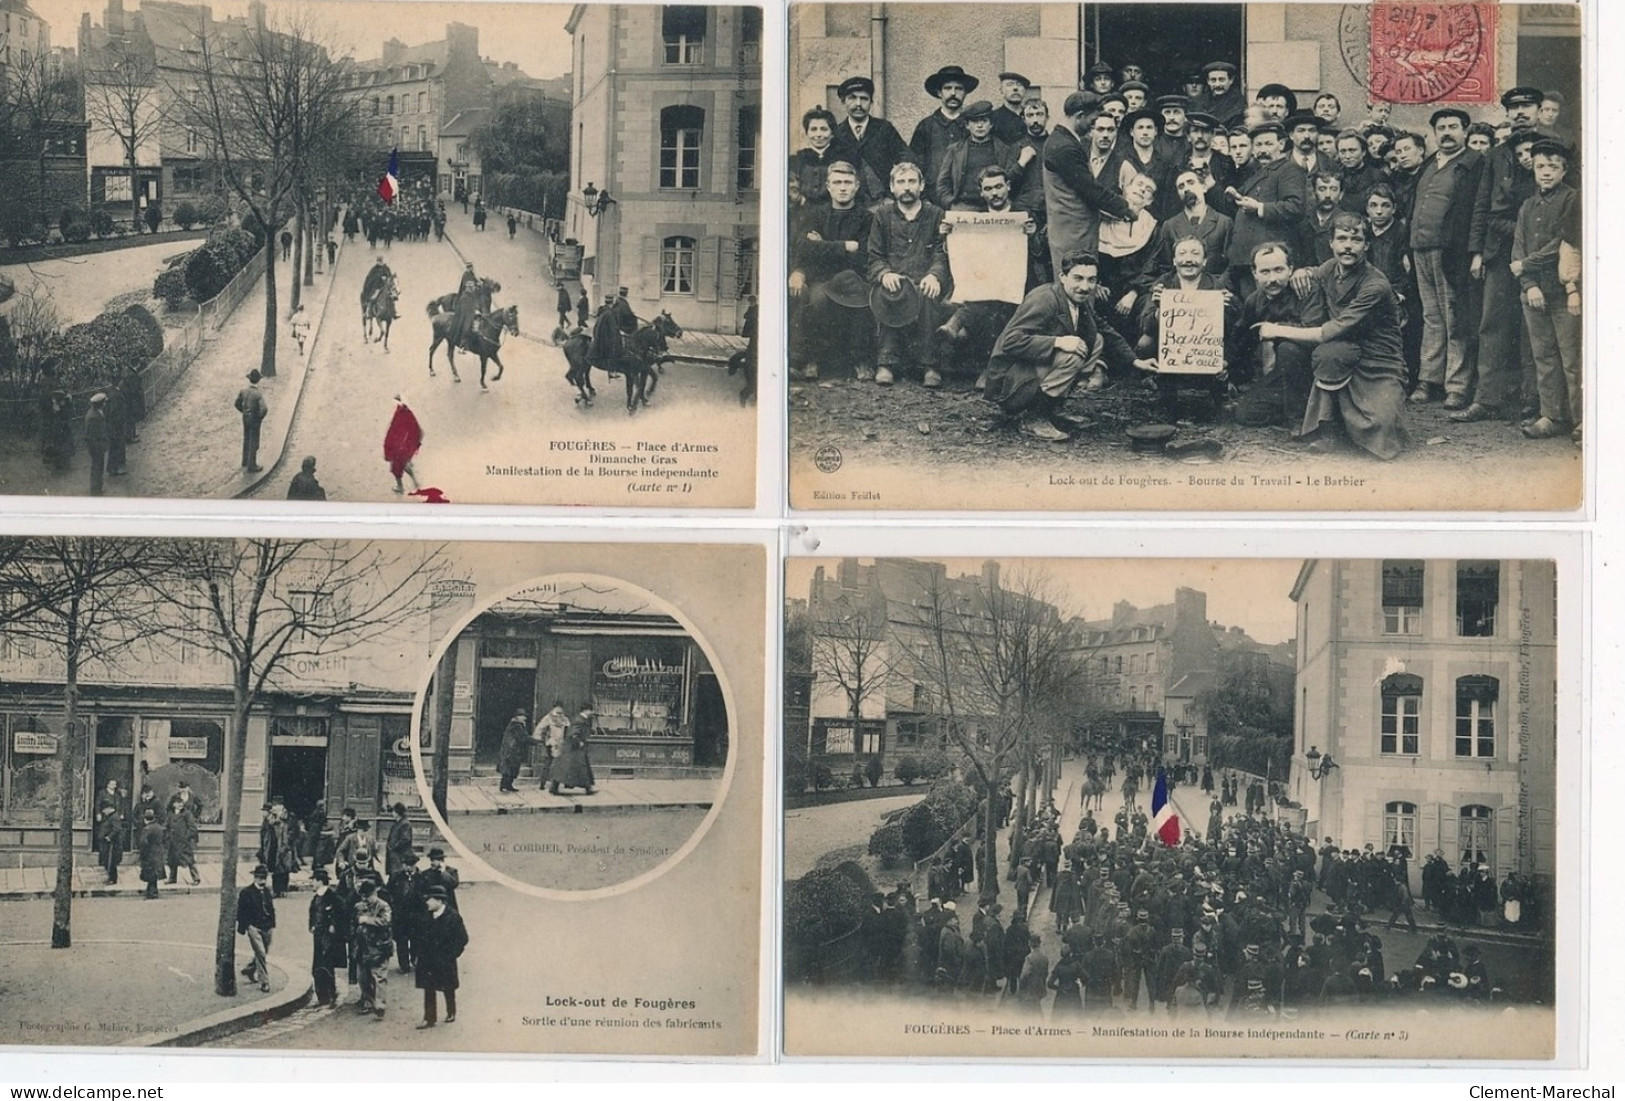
(1361, 267)
(411, 217)
(360, 918)
(557, 749)
(1217, 928)
(163, 833)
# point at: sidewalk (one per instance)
(484, 798)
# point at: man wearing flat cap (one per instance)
(1503, 187)
(1441, 224)
(1216, 170)
(866, 141)
(958, 183)
(932, 136)
(1136, 94)
(1100, 78)
(1223, 98)
(1173, 110)
(1008, 125)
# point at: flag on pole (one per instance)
(1164, 819)
(389, 185)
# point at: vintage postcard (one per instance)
(1173, 808)
(381, 796)
(381, 252)
(1028, 265)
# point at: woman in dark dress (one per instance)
(574, 767)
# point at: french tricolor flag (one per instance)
(389, 185)
(1164, 819)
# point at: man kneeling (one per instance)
(1352, 320)
(1051, 344)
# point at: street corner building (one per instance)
(1321, 823)
(1046, 132)
(666, 158)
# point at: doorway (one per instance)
(298, 777)
(502, 692)
(1168, 40)
(710, 723)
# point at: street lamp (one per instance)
(594, 200)
(1319, 766)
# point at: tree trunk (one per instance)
(296, 269)
(135, 196)
(231, 817)
(68, 790)
(989, 879)
(445, 684)
(268, 344)
(313, 237)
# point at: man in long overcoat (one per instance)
(441, 940)
(150, 846)
(511, 754)
(574, 767)
(180, 835)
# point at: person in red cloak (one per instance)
(401, 443)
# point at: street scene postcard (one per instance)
(1115, 808)
(1224, 256)
(380, 252)
(381, 796)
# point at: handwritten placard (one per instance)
(1191, 332)
(987, 255)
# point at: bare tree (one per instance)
(86, 601)
(263, 604)
(997, 663)
(850, 653)
(121, 97)
(40, 104)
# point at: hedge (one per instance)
(823, 905)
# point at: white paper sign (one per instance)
(1191, 332)
(987, 255)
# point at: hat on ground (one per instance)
(1018, 78)
(254, 375)
(895, 309)
(1201, 120)
(855, 84)
(1182, 103)
(1219, 67)
(1522, 94)
(1150, 437)
(1450, 113)
(981, 109)
(847, 288)
(436, 892)
(934, 82)
(437, 853)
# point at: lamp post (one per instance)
(1320, 765)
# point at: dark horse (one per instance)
(576, 343)
(379, 308)
(645, 352)
(484, 341)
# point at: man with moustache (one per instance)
(1009, 124)
(1503, 347)
(1174, 111)
(866, 141)
(1080, 179)
(1266, 206)
(1278, 365)
(1351, 325)
(1196, 219)
(1441, 222)
(1303, 135)
(905, 244)
(1028, 192)
(1224, 99)
(958, 184)
(976, 325)
(936, 132)
(1213, 168)
(1275, 102)
(1316, 235)
(826, 240)
(1189, 272)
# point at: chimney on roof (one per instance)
(115, 19)
(1121, 611)
(990, 575)
(462, 40)
(394, 49)
(256, 15)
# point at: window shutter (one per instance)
(1427, 831)
(1450, 833)
(648, 271)
(1373, 828)
(728, 270)
(1506, 841)
(705, 268)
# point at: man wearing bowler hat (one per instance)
(1008, 125)
(942, 127)
(1223, 98)
(866, 141)
(256, 918)
(829, 265)
(908, 273)
(442, 936)
(251, 404)
(1503, 349)
(1441, 225)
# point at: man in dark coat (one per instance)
(609, 332)
(511, 754)
(304, 486)
(826, 239)
(868, 142)
(406, 903)
(1441, 217)
(150, 845)
(256, 919)
(97, 437)
(180, 834)
(373, 945)
(110, 829)
(442, 936)
(1267, 206)
(251, 404)
(398, 846)
(329, 936)
(574, 767)
(939, 130)
(1082, 169)
(440, 874)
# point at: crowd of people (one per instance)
(412, 216)
(1226, 924)
(1361, 267)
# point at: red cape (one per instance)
(402, 440)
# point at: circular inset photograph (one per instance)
(573, 736)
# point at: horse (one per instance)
(576, 344)
(379, 307)
(1094, 795)
(484, 341)
(446, 303)
(646, 351)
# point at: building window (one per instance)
(375, 105)
(389, 105)
(749, 260)
(1151, 662)
(423, 138)
(750, 34)
(1475, 837)
(1478, 591)
(1134, 663)
(1402, 715)
(681, 129)
(1475, 716)
(1105, 666)
(423, 102)
(682, 29)
(191, 141)
(1117, 664)
(1401, 597)
(677, 265)
(406, 137)
(1399, 826)
(750, 126)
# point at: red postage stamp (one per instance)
(1433, 53)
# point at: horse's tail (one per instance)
(433, 307)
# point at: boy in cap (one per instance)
(1549, 220)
